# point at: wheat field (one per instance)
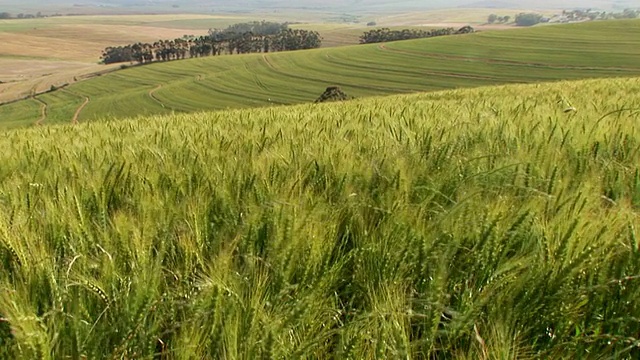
(493, 223)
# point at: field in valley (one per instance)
(489, 223)
(588, 50)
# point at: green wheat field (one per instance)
(488, 223)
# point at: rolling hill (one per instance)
(587, 50)
(490, 223)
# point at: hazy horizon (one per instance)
(350, 6)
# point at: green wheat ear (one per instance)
(14, 254)
(98, 291)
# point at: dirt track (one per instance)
(75, 116)
(74, 120)
(153, 97)
(43, 111)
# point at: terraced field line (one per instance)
(269, 64)
(336, 61)
(383, 47)
(256, 78)
(43, 111)
(308, 78)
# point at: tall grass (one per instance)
(479, 224)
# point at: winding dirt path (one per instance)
(502, 62)
(74, 119)
(43, 110)
(79, 110)
(153, 96)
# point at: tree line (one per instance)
(386, 34)
(494, 18)
(244, 38)
(567, 16)
(589, 14)
(528, 19)
(5, 15)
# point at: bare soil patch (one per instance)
(80, 42)
(33, 60)
(107, 35)
(13, 70)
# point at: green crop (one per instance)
(494, 223)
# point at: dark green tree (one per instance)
(528, 19)
(386, 34)
(253, 37)
(258, 28)
(117, 54)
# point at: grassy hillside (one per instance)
(479, 224)
(599, 49)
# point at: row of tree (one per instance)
(530, 19)
(6, 15)
(386, 34)
(589, 14)
(494, 18)
(253, 37)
